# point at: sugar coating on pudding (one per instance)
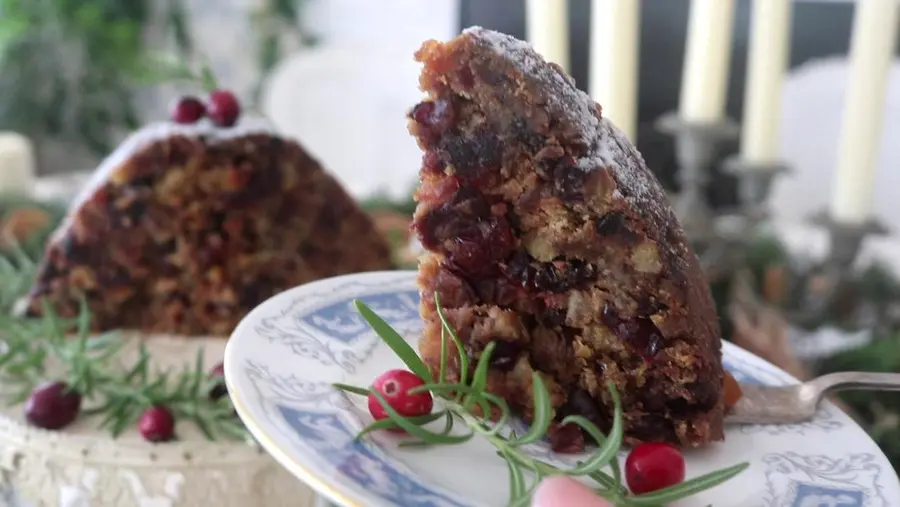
(185, 229)
(546, 233)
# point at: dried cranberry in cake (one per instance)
(640, 333)
(436, 116)
(566, 438)
(554, 216)
(479, 246)
(432, 163)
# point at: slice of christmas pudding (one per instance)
(546, 233)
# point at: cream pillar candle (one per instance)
(547, 29)
(707, 57)
(615, 36)
(871, 51)
(768, 56)
(17, 172)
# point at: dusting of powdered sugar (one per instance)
(608, 146)
(162, 130)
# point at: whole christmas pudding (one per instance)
(112, 364)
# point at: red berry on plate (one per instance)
(52, 406)
(223, 108)
(188, 110)
(217, 374)
(653, 466)
(394, 386)
(157, 424)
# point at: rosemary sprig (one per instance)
(459, 399)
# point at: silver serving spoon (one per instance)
(798, 403)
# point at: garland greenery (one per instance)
(66, 66)
(70, 70)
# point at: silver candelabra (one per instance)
(722, 237)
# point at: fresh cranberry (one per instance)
(188, 110)
(217, 373)
(394, 386)
(653, 466)
(223, 108)
(52, 406)
(157, 424)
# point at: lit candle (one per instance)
(769, 46)
(547, 29)
(707, 57)
(16, 164)
(871, 50)
(614, 60)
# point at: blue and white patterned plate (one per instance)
(283, 357)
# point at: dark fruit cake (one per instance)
(546, 233)
(185, 228)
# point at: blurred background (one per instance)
(811, 296)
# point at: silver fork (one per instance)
(798, 403)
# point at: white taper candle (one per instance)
(547, 29)
(17, 171)
(615, 38)
(768, 57)
(707, 58)
(871, 51)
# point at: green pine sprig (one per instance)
(459, 399)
